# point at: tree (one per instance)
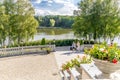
(52, 22)
(98, 18)
(22, 24)
(81, 26)
(3, 25)
(60, 21)
(10, 11)
(110, 19)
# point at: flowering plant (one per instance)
(76, 62)
(105, 52)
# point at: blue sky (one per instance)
(55, 7)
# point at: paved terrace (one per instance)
(64, 56)
(29, 67)
(36, 66)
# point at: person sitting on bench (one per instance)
(73, 47)
(78, 46)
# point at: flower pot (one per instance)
(106, 66)
(48, 51)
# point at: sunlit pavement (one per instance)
(64, 56)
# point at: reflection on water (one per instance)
(54, 33)
(69, 35)
(51, 34)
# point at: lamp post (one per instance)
(54, 44)
(22, 47)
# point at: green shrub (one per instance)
(64, 42)
(43, 41)
(105, 52)
(76, 62)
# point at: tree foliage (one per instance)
(97, 19)
(3, 25)
(21, 24)
(52, 22)
(60, 21)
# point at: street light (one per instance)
(22, 47)
(54, 44)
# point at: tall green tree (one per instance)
(9, 10)
(98, 18)
(3, 25)
(81, 26)
(110, 19)
(22, 24)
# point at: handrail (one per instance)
(25, 49)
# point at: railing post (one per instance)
(5, 50)
(22, 50)
(54, 47)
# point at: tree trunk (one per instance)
(9, 40)
(95, 37)
(19, 39)
(89, 38)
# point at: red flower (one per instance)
(114, 61)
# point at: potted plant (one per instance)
(76, 63)
(86, 59)
(106, 57)
(48, 50)
(67, 66)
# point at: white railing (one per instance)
(25, 50)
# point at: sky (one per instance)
(55, 7)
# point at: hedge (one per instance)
(64, 42)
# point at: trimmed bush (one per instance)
(64, 42)
(43, 41)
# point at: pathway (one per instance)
(29, 67)
(63, 54)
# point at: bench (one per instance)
(67, 75)
(90, 71)
(62, 75)
(75, 73)
(115, 75)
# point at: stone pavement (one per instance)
(29, 67)
(64, 56)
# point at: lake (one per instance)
(55, 33)
(58, 34)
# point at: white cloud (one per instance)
(37, 1)
(67, 9)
